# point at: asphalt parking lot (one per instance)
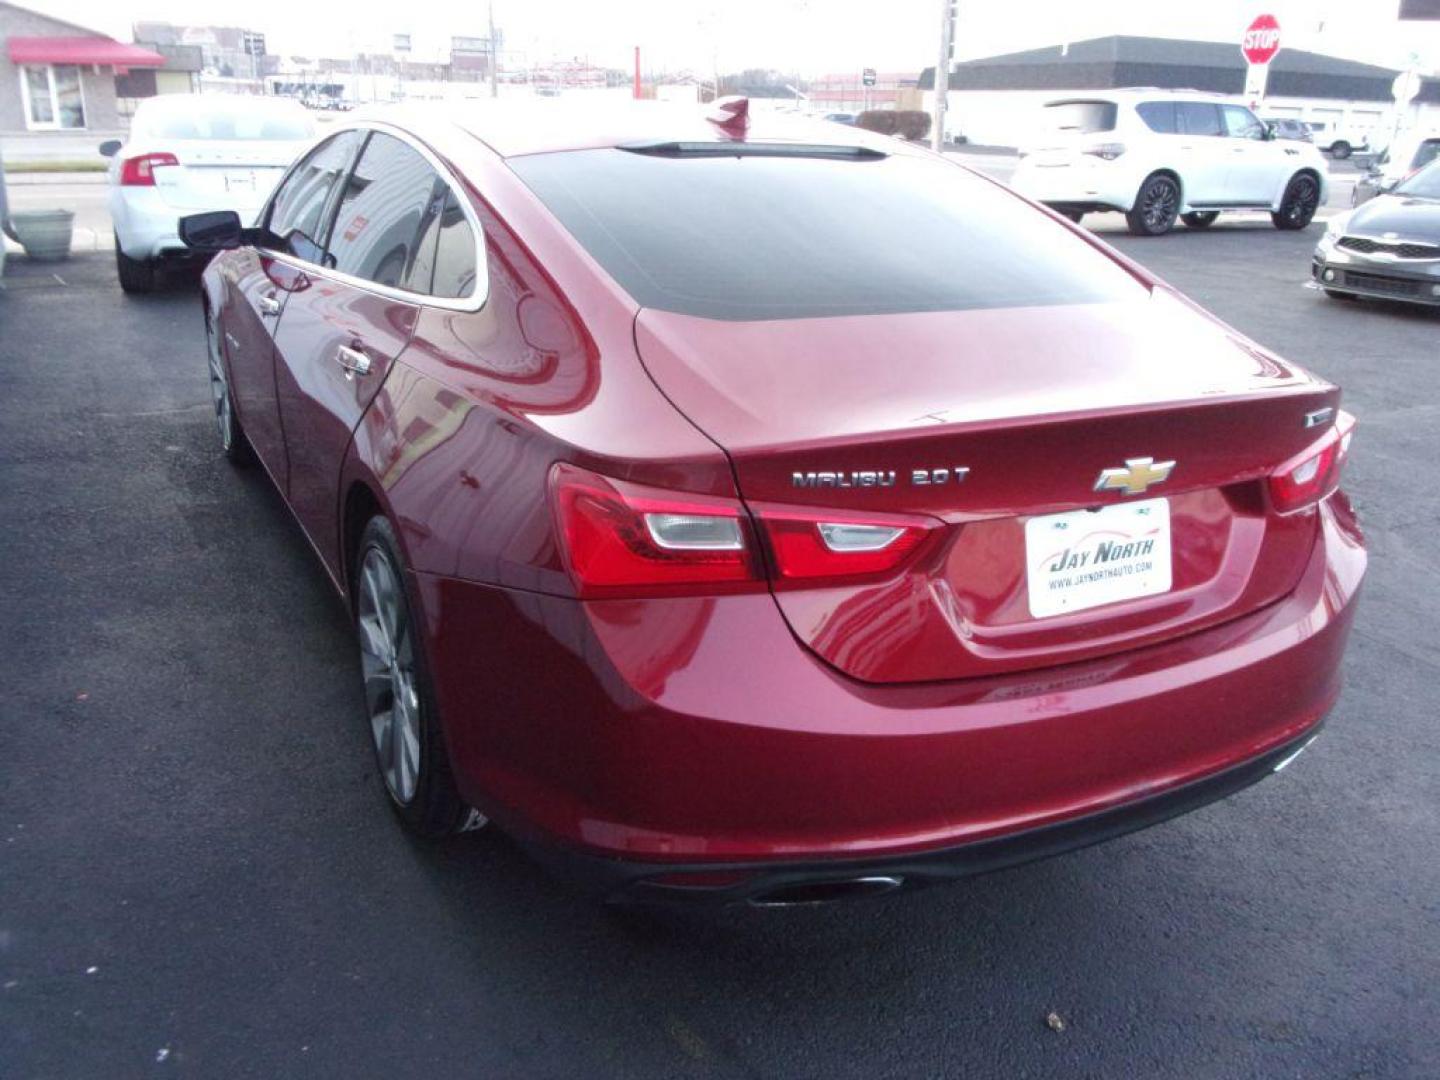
(199, 875)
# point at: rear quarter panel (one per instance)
(458, 444)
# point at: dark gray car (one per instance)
(1389, 247)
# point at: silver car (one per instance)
(1388, 248)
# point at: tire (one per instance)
(1297, 208)
(1073, 215)
(233, 443)
(399, 700)
(1200, 219)
(137, 276)
(1341, 150)
(1156, 205)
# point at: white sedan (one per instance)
(188, 154)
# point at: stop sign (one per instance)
(1262, 40)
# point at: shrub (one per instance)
(880, 121)
(912, 124)
(904, 123)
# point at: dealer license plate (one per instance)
(1086, 558)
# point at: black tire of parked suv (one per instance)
(1074, 215)
(1156, 205)
(1200, 219)
(435, 810)
(1297, 208)
(1340, 149)
(136, 275)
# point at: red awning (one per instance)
(82, 50)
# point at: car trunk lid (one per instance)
(984, 420)
(223, 174)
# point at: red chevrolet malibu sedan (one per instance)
(740, 508)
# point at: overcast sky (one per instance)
(805, 36)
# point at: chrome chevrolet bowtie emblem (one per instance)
(1137, 475)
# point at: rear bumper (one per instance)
(1089, 184)
(767, 884)
(147, 227)
(631, 739)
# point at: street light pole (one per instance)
(494, 54)
(942, 74)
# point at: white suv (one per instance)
(1156, 155)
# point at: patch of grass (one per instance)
(61, 166)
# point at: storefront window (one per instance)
(53, 96)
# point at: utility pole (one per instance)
(494, 55)
(942, 73)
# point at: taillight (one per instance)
(623, 539)
(807, 545)
(1315, 472)
(140, 171)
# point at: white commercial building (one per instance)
(995, 100)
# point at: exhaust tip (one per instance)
(811, 893)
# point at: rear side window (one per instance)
(1425, 153)
(445, 263)
(455, 254)
(298, 213)
(387, 203)
(1197, 118)
(1084, 117)
(1159, 116)
(749, 236)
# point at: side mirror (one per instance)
(217, 230)
(110, 147)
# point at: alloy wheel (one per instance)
(219, 387)
(1161, 200)
(387, 657)
(1304, 200)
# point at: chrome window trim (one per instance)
(472, 303)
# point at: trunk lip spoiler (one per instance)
(691, 148)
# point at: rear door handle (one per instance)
(269, 304)
(353, 361)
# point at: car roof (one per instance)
(515, 127)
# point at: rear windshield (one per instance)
(226, 121)
(756, 237)
(1085, 117)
